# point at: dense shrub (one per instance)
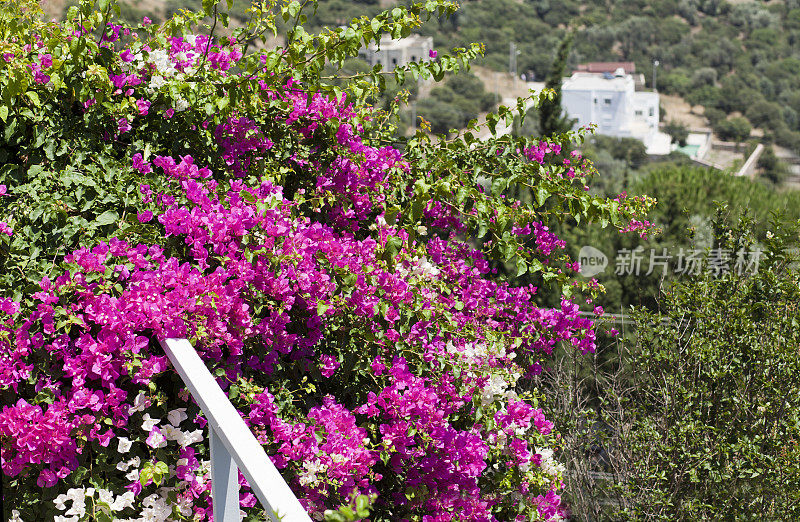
(693, 414)
(735, 129)
(160, 182)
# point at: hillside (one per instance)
(730, 57)
(740, 57)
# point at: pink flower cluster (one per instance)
(273, 288)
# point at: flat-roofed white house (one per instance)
(612, 102)
(392, 53)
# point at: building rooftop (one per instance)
(580, 81)
(388, 44)
(601, 67)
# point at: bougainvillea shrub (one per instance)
(340, 281)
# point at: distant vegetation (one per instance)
(737, 60)
(455, 103)
(732, 59)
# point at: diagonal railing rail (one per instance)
(233, 446)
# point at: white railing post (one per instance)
(232, 445)
(224, 480)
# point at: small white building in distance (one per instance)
(612, 103)
(392, 53)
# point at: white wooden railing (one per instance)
(233, 446)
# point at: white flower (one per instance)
(133, 475)
(425, 269)
(185, 506)
(549, 464)
(76, 494)
(309, 476)
(59, 502)
(104, 495)
(495, 387)
(156, 439)
(124, 445)
(139, 403)
(171, 432)
(186, 438)
(123, 501)
(181, 105)
(176, 416)
(156, 82)
(161, 60)
(15, 516)
(156, 509)
(148, 422)
(78, 508)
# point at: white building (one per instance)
(392, 53)
(613, 104)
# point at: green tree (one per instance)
(771, 167)
(692, 413)
(551, 115)
(735, 129)
(678, 132)
(713, 410)
(765, 114)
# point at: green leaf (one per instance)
(293, 8)
(146, 475)
(390, 216)
(416, 209)
(49, 149)
(541, 195)
(3, 113)
(106, 218)
(362, 506)
(522, 267)
(208, 6)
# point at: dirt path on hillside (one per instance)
(501, 82)
(678, 110)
